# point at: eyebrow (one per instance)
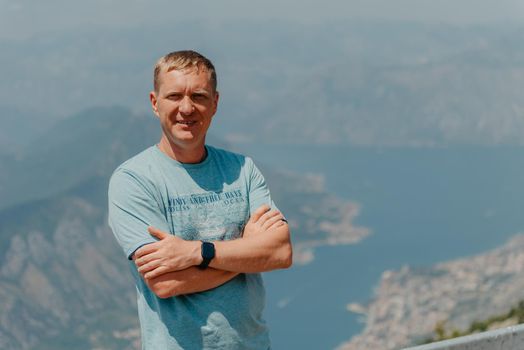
(201, 92)
(179, 92)
(173, 92)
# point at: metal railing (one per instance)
(510, 338)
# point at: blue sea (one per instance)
(423, 206)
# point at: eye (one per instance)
(198, 97)
(174, 96)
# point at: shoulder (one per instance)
(226, 156)
(139, 162)
(139, 169)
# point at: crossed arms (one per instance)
(168, 266)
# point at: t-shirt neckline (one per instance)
(175, 162)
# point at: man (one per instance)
(196, 222)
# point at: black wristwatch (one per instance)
(208, 253)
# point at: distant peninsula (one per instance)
(317, 217)
(411, 303)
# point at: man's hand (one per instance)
(263, 219)
(169, 254)
(265, 245)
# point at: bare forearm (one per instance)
(264, 246)
(188, 281)
(258, 253)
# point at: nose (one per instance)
(186, 106)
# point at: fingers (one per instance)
(152, 269)
(259, 212)
(272, 219)
(148, 267)
(151, 247)
(145, 249)
(268, 215)
(156, 272)
(157, 233)
(144, 259)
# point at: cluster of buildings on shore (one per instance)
(409, 303)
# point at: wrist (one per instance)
(196, 253)
(208, 254)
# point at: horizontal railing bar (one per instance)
(509, 338)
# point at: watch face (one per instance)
(208, 250)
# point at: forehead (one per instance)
(185, 78)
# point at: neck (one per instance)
(190, 155)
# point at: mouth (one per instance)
(186, 122)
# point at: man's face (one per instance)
(185, 104)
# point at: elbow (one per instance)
(287, 257)
(286, 252)
(288, 263)
(164, 294)
(162, 290)
(280, 258)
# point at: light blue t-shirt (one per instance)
(211, 200)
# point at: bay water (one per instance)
(423, 206)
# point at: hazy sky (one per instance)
(21, 18)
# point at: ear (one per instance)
(154, 102)
(215, 102)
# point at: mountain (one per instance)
(411, 304)
(89, 143)
(64, 282)
(20, 127)
(391, 84)
(385, 83)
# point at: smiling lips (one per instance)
(186, 122)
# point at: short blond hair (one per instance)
(182, 60)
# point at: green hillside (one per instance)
(514, 316)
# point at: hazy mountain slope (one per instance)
(469, 96)
(378, 82)
(19, 127)
(89, 143)
(63, 281)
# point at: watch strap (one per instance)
(208, 253)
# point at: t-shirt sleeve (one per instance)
(132, 209)
(258, 191)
